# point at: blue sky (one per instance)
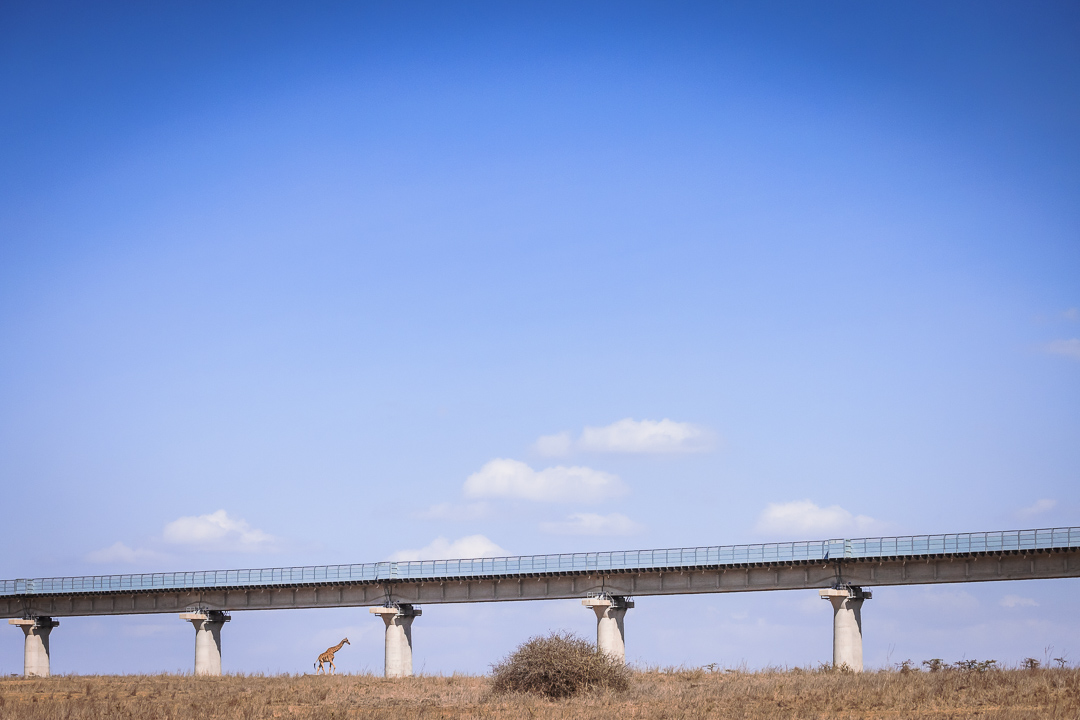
(289, 286)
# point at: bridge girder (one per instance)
(752, 577)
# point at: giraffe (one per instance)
(328, 657)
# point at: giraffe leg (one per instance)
(332, 667)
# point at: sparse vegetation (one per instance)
(975, 665)
(1047, 693)
(558, 665)
(934, 665)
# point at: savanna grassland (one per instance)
(999, 694)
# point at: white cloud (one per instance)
(1012, 601)
(1071, 314)
(514, 479)
(118, 552)
(1068, 348)
(645, 436)
(556, 445)
(592, 524)
(472, 546)
(217, 532)
(803, 517)
(453, 511)
(1038, 508)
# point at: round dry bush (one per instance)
(557, 666)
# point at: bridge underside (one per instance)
(816, 574)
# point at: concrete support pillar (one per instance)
(847, 625)
(399, 620)
(36, 647)
(610, 629)
(207, 639)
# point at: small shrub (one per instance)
(907, 666)
(558, 666)
(1030, 664)
(975, 665)
(935, 664)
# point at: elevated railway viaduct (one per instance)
(840, 570)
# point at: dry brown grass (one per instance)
(1004, 695)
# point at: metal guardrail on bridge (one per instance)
(1002, 541)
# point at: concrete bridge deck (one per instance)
(906, 560)
(605, 582)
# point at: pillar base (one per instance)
(610, 628)
(847, 625)
(207, 625)
(36, 646)
(398, 645)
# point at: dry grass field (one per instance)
(1003, 694)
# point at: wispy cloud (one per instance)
(630, 436)
(592, 524)
(645, 436)
(557, 445)
(1013, 601)
(1072, 314)
(217, 532)
(1038, 508)
(118, 552)
(455, 511)
(472, 546)
(143, 631)
(505, 478)
(1068, 348)
(803, 517)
